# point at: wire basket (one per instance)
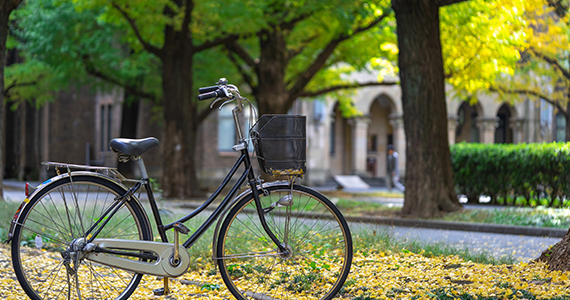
(280, 143)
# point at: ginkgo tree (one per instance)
(467, 43)
(301, 49)
(124, 43)
(544, 71)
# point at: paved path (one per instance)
(522, 248)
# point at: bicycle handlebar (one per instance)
(221, 91)
(207, 89)
(210, 95)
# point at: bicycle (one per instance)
(85, 235)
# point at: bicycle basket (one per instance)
(280, 144)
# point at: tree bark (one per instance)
(6, 7)
(180, 118)
(556, 256)
(429, 181)
(271, 94)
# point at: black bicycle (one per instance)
(84, 235)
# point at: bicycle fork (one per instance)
(283, 247)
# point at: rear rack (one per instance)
(109, 171)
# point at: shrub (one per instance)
(527, 172)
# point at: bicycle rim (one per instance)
(316, 236)
(57, 217)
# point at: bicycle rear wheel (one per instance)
(56, 218)
(311, 228)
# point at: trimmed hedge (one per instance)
(522, 174)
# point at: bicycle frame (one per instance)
(247, 174)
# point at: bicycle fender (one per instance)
(232, 204)
(46, 184)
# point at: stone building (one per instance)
(77, 127)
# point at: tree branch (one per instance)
(129, 88)
(441, 3)
(551, 61)
(246, 77)
(148, 47)
(187, 17)
(218, 41)
(240, 51)
(16, 84)
(294, 52)
(291, 23)
(321, 59)
(344, 87)
(528, 92)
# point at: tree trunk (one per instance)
(556, 256)
(429, 181)
(6, 7)
(129, 120)
(180, 119)
(4, 19)
(271, 94)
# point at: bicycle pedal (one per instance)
(181, 228)
(159, 292)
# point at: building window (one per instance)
(227, 133)
(226, 129)
(545, 117)
(105, 123)
(560, 127)
(372, 143)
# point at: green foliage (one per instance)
(506, 170)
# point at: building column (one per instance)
(517, 126)
(399, 136)
(452, 121)
(359, 139)
(487, 127)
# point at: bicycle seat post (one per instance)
(142, 168)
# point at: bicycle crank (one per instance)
(112, 252)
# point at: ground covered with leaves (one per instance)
(379, 275)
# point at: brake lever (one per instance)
(228, 101)
(216, 101)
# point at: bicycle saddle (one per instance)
(133, 147)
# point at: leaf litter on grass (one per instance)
(374, 275)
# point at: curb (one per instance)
(461, 226)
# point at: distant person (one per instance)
(393, 173)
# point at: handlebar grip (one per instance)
(209, 95)
(207, 89)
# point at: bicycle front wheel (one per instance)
(308, 225)
(50, 229)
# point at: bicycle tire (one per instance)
(52, 219)
(319, 241)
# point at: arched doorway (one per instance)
(504, 132)
(380, 135)
(467, 129)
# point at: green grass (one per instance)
(539, 216)
(7, 211)
(348, 207)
